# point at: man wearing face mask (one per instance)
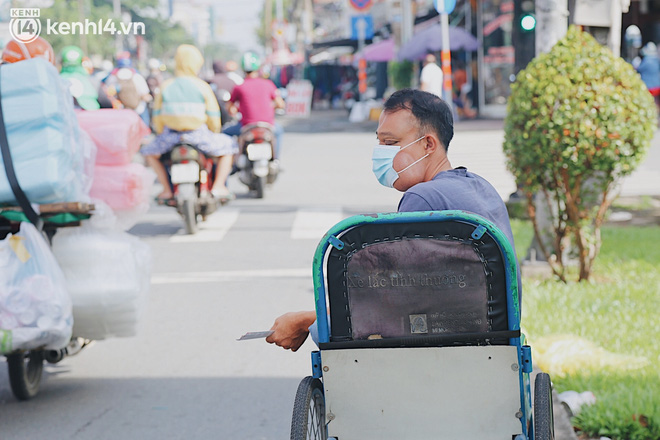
(414, 131)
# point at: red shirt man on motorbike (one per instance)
(256, 98)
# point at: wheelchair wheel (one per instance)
(308, 422)
(25, 369)
(543, 416)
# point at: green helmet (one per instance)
(72, 56)
(250, 62)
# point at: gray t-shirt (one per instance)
(461, 190)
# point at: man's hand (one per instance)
(291, 329)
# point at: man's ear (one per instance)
(432, 144)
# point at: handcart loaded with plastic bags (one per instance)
(64, 280)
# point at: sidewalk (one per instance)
(477, 144)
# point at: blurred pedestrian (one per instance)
(649, 69)
(431, 76)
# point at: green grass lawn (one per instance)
(619, 311)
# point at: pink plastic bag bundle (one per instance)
(116, 133)
(122, 187)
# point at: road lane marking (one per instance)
(213, 229)
(313, 224)
(227, 275)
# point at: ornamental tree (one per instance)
(578, 119)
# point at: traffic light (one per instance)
(528, 22)
(523, 33)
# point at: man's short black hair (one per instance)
(431, 112)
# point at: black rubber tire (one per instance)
(544, 422)
(259, 186)
(25, 370)
(189, 216)
(308, 421)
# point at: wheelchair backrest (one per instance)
(411, 279)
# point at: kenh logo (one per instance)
(24, 25)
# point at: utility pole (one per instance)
(551, 23)
(268, 26)
(551, 26)
(603, 19)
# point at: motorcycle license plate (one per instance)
(184, 173)
(259, 152)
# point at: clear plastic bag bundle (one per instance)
(117, 134)
(43, 134)
(108, 276)
(35, 308)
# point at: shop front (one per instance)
(495, 57)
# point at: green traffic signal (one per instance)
(528, 22)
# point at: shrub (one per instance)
(578, 119)
(401, 73)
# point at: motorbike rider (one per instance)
(132, 89)
(256, 98)
(16, 51)
(186, 110)
(85, 94)
(222, 86)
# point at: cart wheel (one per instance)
(25, 368)
(308, 422)
(544, 428)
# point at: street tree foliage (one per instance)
(400, 73)
(68, 11)
(162, 36)
(578, 119)
(264, 32)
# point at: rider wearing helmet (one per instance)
(16, 51)
(257, 98)
(131, 87)
(85, 94)
(186, 110)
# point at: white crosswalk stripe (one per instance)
(228, 275)
(308, 224)
(213, 229)
(312, 224)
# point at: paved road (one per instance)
(185, 376)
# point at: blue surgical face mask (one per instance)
(383, 158)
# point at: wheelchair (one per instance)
(419, 335)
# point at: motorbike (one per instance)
(256, 163)
(191, 175)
